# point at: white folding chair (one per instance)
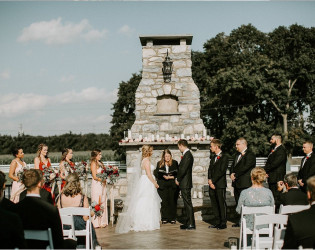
(68, 220)
(244, 230)
(290, 209)
(43, 235)
(278, 238)
(87, 232)
(261, 242)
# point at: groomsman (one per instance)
(243, 163)
(184, 181)
(307, 168)
(276, 164)
(217, 183)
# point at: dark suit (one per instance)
(11, 230)
(184, 177)
(40, 215)
(8, 205)
(276, 168)
(217, 174)
(242, 169)
(168, 191)
(307, 170)
(44, 195)
(293, 197)
(300, 230)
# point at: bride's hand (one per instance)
(156, 185)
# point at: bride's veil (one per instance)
(124, 223)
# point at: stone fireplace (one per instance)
(166, 112)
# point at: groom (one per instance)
(184, 181)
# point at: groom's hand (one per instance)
(177, 183)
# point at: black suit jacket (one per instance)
(308, 169)
(37, 214)
(276, 164)
(8, 205)
(300, 230)
(293, 197)
(163, 183)
(242, 169)
(217, 170)
(44, 195)
(184, 176)
(11, 230)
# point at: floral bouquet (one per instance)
(97, 208)
(49, 174)
(81, 170)
(112, 174)
(103, 174)
(20, 173)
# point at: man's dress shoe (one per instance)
(222, 226)
(183, 226)
(213, 226)
(236, 225)
(191, 227)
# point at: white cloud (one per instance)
(67, 79)
(56, 32)
(15, 104)
(126, 30)
(6, 74)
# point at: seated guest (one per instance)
(255, 196)
(293, 195)
(37, 214)
(5, 203)
(165, 173)
(11, 229)
(301, 226)
(44, 195)
(72, 196)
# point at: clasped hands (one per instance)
(212, 186)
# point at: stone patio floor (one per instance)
(168, 237)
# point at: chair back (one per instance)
(251, 210)
(87, 232)
(68, 220)
(290, 209)
(43, 235)
(271, 219)
(278, 238)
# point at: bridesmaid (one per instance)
(165, 173)
(66, 157)
(41, 161)
(98, 189)
(16, 166)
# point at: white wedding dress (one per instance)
(142, 207)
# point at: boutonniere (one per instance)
(307, 157)
(272, 150)
(181, 157)
(218, 157)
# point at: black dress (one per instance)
(168, 191)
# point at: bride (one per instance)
(142, 205)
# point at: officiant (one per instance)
(165, 173)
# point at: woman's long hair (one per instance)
(162, 161)
(64, 154)
(40, 148)
(94, 154)
(72, 187)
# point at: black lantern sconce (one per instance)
(167, 68)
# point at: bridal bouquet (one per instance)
(97, 208)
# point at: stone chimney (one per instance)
(167, 108)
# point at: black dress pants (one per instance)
(218, 202)
(169, 203)
(186, 195)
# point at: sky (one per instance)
(61, 62)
